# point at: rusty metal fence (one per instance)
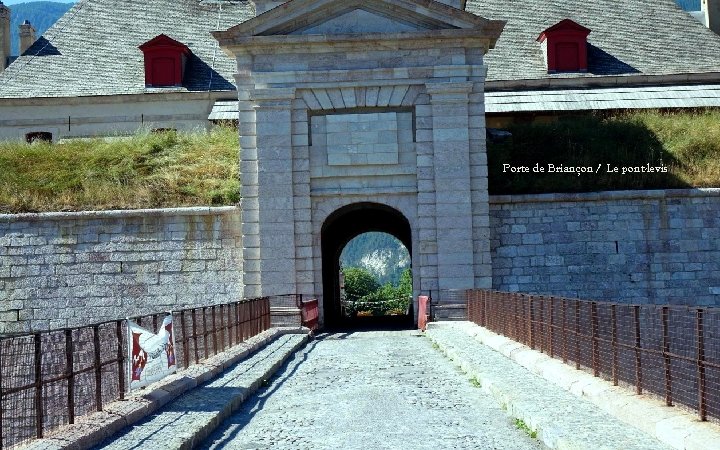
(48, 379)
(670, 352)
(309, 313)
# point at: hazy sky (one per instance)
(12, 2)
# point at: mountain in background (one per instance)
(689, 5)
(379, 253)
(40, 14)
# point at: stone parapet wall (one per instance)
(68, 269)
(631, 246)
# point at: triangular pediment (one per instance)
(328, 17)
(360, 20)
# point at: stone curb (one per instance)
(96, 427)
(671, 426)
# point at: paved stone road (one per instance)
(372, 390)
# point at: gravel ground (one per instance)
(370, 390)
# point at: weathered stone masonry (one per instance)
(637, 246)
(68, 269)
(64, 269)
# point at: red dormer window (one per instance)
(565, 47)
(165, 60)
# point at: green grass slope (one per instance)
(145, 171)
(687, 145)
(201, 168)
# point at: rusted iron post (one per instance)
(185, 339)
(541, 325)
(702, 381)
(564, 330)
(2, 364)
(577, 334)
(69, 373)
(422, 312)
(516, 320)
(595, 343)
(551, 333)
(530, 322)
(194, 334)
(120, 358)
(213, 313)
(638, 356)
(97, 367)
(666, 356)
(483, 312)
(614, 343)
(222, 328)
(206, 344)
(39, 410)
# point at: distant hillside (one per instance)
(379, 253)
(40, 14)
(689, 5)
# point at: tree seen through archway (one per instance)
(377, 279)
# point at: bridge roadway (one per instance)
(370, 390)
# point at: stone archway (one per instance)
(377, 101)
(340, 228)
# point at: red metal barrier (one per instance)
(309, 313)
(422, 312)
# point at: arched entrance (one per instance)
(340, 228)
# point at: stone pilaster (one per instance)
(453, 205)
(268, 208)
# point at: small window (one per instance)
(163, 130)
(565, 47)
(165, 60)
(38, 136)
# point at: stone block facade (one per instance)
(384, 110)
(660, 247)
(69, 269)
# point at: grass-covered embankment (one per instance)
(148, 170)
(200, 169)
(687, 144)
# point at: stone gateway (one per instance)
(361, 116)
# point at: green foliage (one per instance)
(148, 170)
(363, 293)
(687, 143)
(379, 244)
(359, 283)
(522, 426)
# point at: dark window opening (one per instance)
(38, 136)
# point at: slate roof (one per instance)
(643, 97)
(92, 49)
(629, 37)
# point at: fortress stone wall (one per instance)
(68, 269)
(660, 247)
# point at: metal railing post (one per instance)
(595, 343)
(700, 344)
(614, 343)
(638, 356)
(38, 386)
(666, 356)
(121, 359)
(69, 372)
(98, 368)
